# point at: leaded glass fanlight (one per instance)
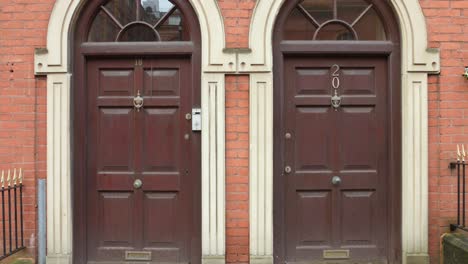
(138, 20)
(334, 20)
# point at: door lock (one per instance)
(137, 184)
(287, 169)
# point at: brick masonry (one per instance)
(23, 25)
(237, 169)
(237, 16)
(448, 111)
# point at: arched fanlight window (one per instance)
(138, 20)
(334, 20)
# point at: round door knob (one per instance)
(137, 184)
(287, 169)
(336, 180)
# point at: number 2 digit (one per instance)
(337, 69)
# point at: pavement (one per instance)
(22, 257)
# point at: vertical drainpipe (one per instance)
(42, 221)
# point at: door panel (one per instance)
(116, 153)
(162, 82)
(358, 151)
(318, 158)
(126, 144)
(160, 212)
(350, 143)
(161, 148)
(357, 206)
(316, 230)
(116, 82)
(116, 215)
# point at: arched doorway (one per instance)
(337, 132)
(136, 159)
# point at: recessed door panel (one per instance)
(116, 144)
(311, 81)
(359, 136)
(161, 149)
(116, 219)
(160, 215)
(362, 80)
(161, 82)
(312, 143)
(358, 217)
(116, 82)
(313, 230)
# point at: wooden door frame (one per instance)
(81, 51)
(389, 49)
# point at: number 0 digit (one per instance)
(336, 82)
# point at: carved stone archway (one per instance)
(417, 62)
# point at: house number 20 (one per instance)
(335, 100)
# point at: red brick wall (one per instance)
(448, 111)
(23, 25)
(237, 169)
(237, 14)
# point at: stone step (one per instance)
(455, 248)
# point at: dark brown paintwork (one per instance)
(114, 145)
(124, 145)
(361, 143)
(350, 143)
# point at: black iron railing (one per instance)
(11, 214)
(460, 166)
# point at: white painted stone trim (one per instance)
(55, 63)
(261, 165)
(213, 187)
(417, 62)
(59, 205)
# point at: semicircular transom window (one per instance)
(334, 20)
(138, 20)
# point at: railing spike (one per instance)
(9, 179)
(463, 152)
(458, 153)
(2, 180)
(20, 176)
(14, 177)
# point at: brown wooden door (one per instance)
(325, 220)
(154, 144)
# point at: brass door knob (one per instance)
(137, 184)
